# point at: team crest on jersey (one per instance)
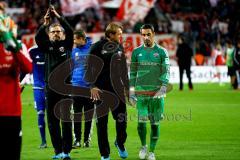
(156, 55)
(104, 51)
(119, 53)
(64, 54)
(61, 49)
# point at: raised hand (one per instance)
(47, 18)
(10, 42)
(54, 12)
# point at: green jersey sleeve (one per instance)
(165, 67)
(133, 69)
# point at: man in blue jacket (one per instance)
(80, 52)
(38, 90)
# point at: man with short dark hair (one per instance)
(56, 44)
(80, 52)
(113, 78)
(38, 90)
(149, 78)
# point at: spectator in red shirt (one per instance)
(12, 62)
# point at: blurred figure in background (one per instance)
(218, 59)
(236, 62)
(12, 62)
(184, 57)
(38, 90)
(229, 62)
(80, 53)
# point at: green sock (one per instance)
(162, 105)
(155, 132)
(162, 108)
(142, 132)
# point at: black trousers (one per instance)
(86, 104)
(187, 68)
(61, 137)
(11, 137)
(120, 117)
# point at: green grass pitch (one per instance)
(203, 124)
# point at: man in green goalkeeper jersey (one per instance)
(148, 85)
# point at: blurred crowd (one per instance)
(204, 23)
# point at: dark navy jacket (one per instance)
(38, 67)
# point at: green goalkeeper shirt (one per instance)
(149, 69)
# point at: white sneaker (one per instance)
(143, 152)
(151, 156)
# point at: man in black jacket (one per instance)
(236, 62)
(184, 56)
(56, 41)
(110, 77)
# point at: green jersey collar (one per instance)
(154, 44)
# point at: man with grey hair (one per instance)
(56, 42)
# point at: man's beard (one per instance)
(148, 43)
(57, 38)
(54, 40)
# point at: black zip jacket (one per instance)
(184, 54)
(112, 73)
(55, 52)
(236, 58)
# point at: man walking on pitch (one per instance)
(80, 52)
(38, 90)
(113, 78)
(56, 44)
(149, 78)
